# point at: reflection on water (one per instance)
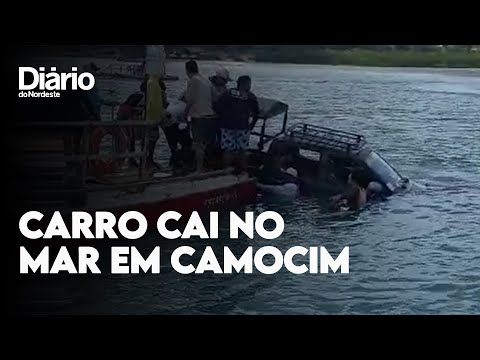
(415, 253)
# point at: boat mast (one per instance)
(155, 60)
(154, 65)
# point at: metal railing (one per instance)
(317, 138)
(263, 136)
(82, 154)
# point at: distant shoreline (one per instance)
(386, 66)
(370, 58)
(353, 57)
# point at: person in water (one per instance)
(234, 109)
(280, 168)
(374, 190)
(355, 197)
(326, 169)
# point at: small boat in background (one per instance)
(133, 71)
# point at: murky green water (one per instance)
(418, 253)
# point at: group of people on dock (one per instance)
(211, 118)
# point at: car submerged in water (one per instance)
(319, 151)
(315, 151)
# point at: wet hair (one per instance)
(192, 67)
(243, 80)
(360, 177)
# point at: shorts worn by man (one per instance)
(199, 99)
(235, 108)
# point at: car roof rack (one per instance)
(318, 139)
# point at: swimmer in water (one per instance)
(280, 168)
(355, 197)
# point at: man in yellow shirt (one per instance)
(155, 113)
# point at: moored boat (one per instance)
(154, 61)
(129, 71)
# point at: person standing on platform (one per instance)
(220, 81)
(235, 108)
(199, 109)
(155, 107)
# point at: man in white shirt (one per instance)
(199, 99)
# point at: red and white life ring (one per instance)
(107, 166)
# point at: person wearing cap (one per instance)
(219, 82)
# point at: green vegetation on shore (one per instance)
(367, 57)
(451, 56)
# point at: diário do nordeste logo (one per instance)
(42, 84)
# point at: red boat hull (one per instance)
(213, 200)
